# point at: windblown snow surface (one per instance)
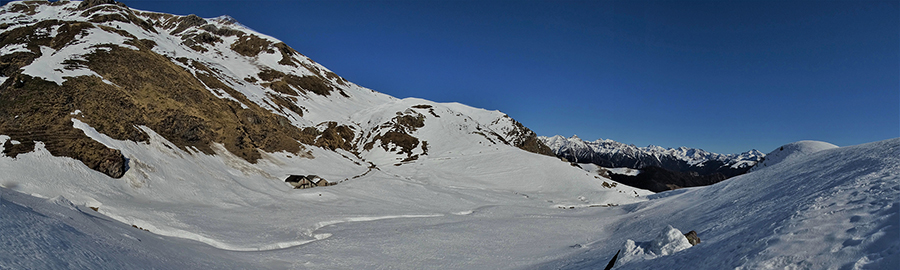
(832, 209)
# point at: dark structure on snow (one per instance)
(307, 181)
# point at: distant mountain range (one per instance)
(666, 168)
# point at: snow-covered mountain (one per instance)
(791, 151)
(140, 139)
(188, 127)
(612, 154)
(201, 82)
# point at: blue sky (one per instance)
(724, 76)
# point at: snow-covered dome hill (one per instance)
(792, 151)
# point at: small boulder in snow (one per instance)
(668, 242)
(692, 238)
(112, 163)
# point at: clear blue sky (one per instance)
(724, 76)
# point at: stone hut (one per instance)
(307, 181)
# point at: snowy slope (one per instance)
(832, 209)
(835, 209)
(55, 234)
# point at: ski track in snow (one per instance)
(287, 244)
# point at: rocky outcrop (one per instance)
(520, 136)
(112, 163)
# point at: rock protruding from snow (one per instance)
(692, 238)
(792, 151)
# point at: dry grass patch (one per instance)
(336, 137)
(33, 38)
(149, 90)
(182, 23)
(527, 140)
(186, 112)
(287, 83)
(406, 143)
(289, 103)
(251, 45)
(27, 7)
(115, 12)
(411, 122)
(37, 110)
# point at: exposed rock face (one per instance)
(112, 164)
(520, 136)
